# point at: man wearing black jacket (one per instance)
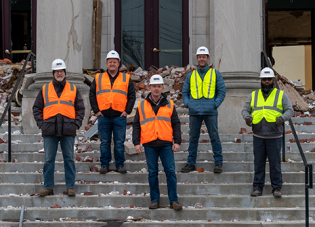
(58, 111)
(156, 126)
(112, 97)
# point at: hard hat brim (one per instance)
(267, 76)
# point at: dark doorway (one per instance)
(152, 32)
(18, 29)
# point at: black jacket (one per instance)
(58, 125)
(131, 97)
(174, 120)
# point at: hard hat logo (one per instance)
(58, 64)
(267, 73)
(202, 50)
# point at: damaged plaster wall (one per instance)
(87, 27)
(63, 39)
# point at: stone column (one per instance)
(59, 35)
(235, 46)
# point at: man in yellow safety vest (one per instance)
(266, 110)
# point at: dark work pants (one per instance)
(270, 148)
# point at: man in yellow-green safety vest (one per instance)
(203, 92)
(266, 110)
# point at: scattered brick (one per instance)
(288, 132)
(125, 192)
(88, 193)
(307, 123)
(311, 140)
(209, 220)
(204, 141)
(1, 152)
(55, 206)
(200, 170)
(292, 140)
(183, 141)
(250, 133)
(32, 194)
(132, 206)
(313, 150)
(94, 169)
(243, 131)
(162, 219)
(237, 140)
(1, 140)
(2, 160)
(87, 127)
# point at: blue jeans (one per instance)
(211, 122)
(117, 126)
(270, 148)
(67, 147)
(167, 157)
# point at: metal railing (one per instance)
(7, 109)
(308, 167)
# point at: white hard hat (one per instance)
(156, 79)
(112, 54)
(267, 73)
(202, 50)
(58, 64)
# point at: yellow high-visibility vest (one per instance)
(203, 88)
(269, 109)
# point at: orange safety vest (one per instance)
(112, 97)
(155, 126)
(63, 105)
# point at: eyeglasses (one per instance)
(265, 79)
(59, 72)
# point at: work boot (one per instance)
(256, 193)
(154, 205)
(277, 193)
(104, 170)
(70, 192)
(121, 170)
(176, 206)
(46, 192)
(218, 168)
(188, 168)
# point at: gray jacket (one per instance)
(266, 129)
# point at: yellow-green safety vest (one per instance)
(205, 88)
(269, 109)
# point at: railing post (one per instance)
(283, 144)
(9, 133)
(33, 67)
(306, 197)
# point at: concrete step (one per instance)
(179, 156)
(159, 223)
(227, 146)
(218, 201)
(298, 128)
(138, 188)
(30, 138)
(193, 177)
(226, 214)
(4, 128)
(137, 166)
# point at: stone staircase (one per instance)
(224, 198)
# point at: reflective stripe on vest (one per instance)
(109, 96)
(155, 126)
(203, 88)
(269, 109)
(63, 105)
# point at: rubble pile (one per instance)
(9, 73)
(300, 101)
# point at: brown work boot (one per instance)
(121, 170)
(256, 193)
(70, 192)
(104, 170)
(277, 193)
(154, 205)
(176, 206)
(46, 192)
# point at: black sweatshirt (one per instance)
(131, 97)
(174, 121)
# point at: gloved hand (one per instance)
(279, 121)
(249, 120)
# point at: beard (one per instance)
(266, 88)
